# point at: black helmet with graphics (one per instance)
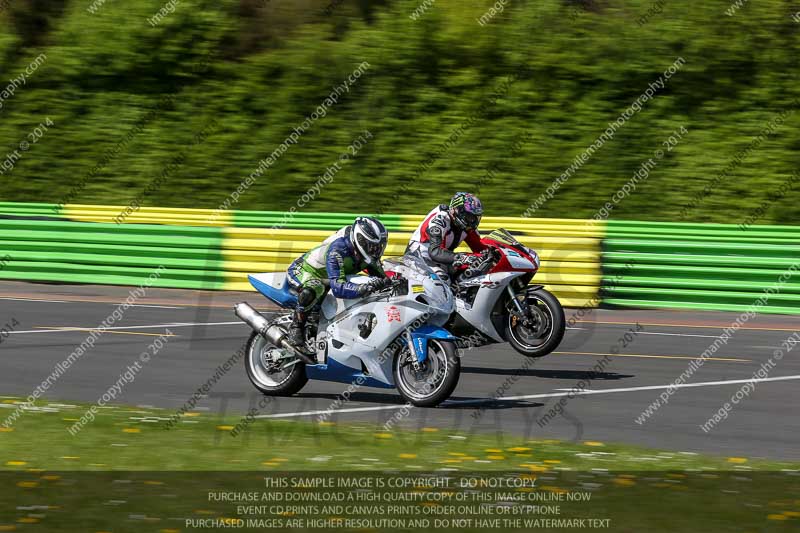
(466, 210)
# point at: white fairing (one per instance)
(492, 288)
(274, 279)
(340, 338)
(332, 306)
(354, 350)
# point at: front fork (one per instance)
(517, 303)
(524, 312)
(412, 350)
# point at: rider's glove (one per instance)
(378, 284)
(488, 253)
(467, 260)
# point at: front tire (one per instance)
(436, 379)
(548, 328)
(266, 375)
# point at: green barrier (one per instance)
(31, 210)
(77, 252)
(207, 249)
(644, 264)
(684, 231)
(702, 266)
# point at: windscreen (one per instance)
(501, 235)
(409, 261)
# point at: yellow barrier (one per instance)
(570, 261)
(569, 249)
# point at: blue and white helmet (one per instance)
(369, 237)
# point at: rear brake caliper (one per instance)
(270, 359)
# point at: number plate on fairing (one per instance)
(517, 261)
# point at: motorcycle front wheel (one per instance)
(434, 380)
(545, 329)
(265, 368)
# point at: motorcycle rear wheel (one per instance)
(267, 376)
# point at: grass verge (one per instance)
(125, 472)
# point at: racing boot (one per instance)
(297, 331)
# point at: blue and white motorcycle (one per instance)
(388, 339)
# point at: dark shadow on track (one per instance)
(488, 404)
(549, 374)
(454, 402)
(366, 397)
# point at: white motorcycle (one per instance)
(389, 339)
(495, 303)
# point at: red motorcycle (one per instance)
(495, 303)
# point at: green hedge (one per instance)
(259, 68)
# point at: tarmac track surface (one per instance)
(499, 391)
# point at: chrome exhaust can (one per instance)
(273, 333)
(252, 318)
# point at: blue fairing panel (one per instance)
(283, 296)
(420, 339)
(336, 371)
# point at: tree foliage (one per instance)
(260, 67)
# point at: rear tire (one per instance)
(550, 314)
(283, 382)
(435, 381)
